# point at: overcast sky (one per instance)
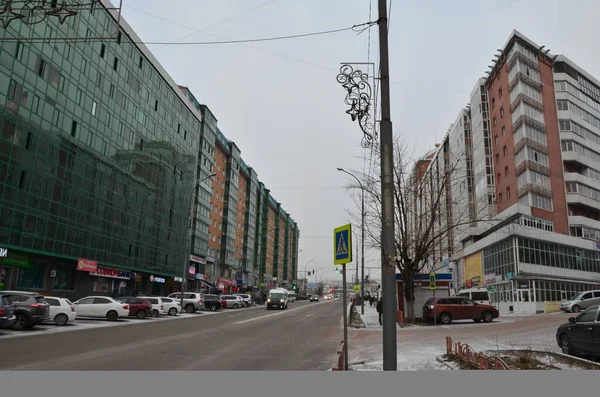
(280, 102)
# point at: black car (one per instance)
(213, 302)
(7, 313)
(30, 309)
(581, 334)
(314, 298)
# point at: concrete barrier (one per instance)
(551, 307)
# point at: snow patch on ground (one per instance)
(411, 357)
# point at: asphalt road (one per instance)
(304, 337)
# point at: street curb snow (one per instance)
(439, 360)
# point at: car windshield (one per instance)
(5, 300)
(276, 295)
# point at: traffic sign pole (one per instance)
(342, 255)
(433, 287)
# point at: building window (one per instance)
(501, 112)
(116, 64)
(493, 102)
(102, 50)
(496, 139)
(507, 193)
(495, 122)
(504, 150)
(94, 107)
(74, 128)
(32, 277)
(19, 51)
(500, 197)
(65, 278)
(506, 171)
(500, 93)
(498, 178)
(503, 131)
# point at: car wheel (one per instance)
(235, 306)
(155, 313)
(172, 311)
(576, 309)
(189, 308)
(22, 322)
(112, 315)
(565, 345)
(445, 318)
(141, 314)
(487, 317)
(61, 319)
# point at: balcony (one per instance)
(534, 188)
(526, 141)
(532, 165)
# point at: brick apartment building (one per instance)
(531, 177)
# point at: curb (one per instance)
(439, 360)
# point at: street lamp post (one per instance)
(305, 276)
(362, 221)
(190, 233)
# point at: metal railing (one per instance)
(467, 355)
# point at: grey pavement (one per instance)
(303, 337)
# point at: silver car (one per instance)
(246, 298)
(581, 301)
(192, 301)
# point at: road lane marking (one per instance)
(275, 314)
(304, 318)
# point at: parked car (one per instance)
(101, 307)
(246, 298)
(192, 301)
(213, 302)
(581, 334)
(292, 296)
(314, 298)
(448, 309)
(171, 306)
(139, 306)
(30, 309)
(62, 311)
(233, 301)
(7, 312)
(581, 301)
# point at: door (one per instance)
(468, 309)
(581, 331)
(523, 295)
(596, 298)
(101, 306)
(85, 307)
(54, 307)
(587, 300)
(596, 335)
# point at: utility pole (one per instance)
(388, 265)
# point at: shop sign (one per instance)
(112, 273)
(178, 279)
(192, 270)
(224, 281)
(12, 258)
(489, 278)
(221, 286)
(468, 283)
(86, 265)
(195, 258)
(199, 276)
(210, 259)
(157, 280)
(475, 281)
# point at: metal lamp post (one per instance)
(305, 276)
(190, 232)
(362, 228)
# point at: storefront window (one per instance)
(65, 278)
(103, 285)
(33, 276)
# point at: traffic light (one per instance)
(337, 271)
(294, 287)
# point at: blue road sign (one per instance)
(342, 245)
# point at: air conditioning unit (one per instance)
(541, 84)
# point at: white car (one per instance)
(158, 307)
(101, 307)
(233, 301)
(62, 311)
(171, 306)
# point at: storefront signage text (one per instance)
(178, 279)
(3, 252)
(157, 279)
(86, 265)
(195, 258)
(113, 273)
(199, 276)
(12, 258)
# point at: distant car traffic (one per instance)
(314, 298)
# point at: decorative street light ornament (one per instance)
(358, 97)
(32, 12)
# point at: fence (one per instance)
(466, 354)
(340, 359)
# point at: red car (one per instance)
(138, 307)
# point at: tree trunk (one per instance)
(409, 295)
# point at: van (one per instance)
(580, 301)
(277, 298)
(291, 296)
(479, 295)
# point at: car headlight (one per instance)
(269, 300)
(281, 300)
(430, 307)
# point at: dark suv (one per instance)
(7, 315)
(213, 302)
(30, 309)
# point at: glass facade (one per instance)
(499, 260)
(97, 151)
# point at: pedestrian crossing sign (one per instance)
(342, 245)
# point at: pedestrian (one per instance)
(380, 310)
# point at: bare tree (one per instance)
(434, 201)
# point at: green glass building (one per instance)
(98, 157)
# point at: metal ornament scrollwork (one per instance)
(358, 97)
(32, 12)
